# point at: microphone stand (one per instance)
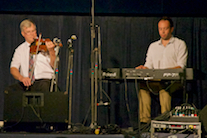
(95, 72)
(55, 75)
(69, 81)
(100, 65)
(98, 75)
(96, 84)
(93, 123)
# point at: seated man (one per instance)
(167, 53)
(21, 62)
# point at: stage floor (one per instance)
(19, 135)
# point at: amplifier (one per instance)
(34, 108)
(167, 129)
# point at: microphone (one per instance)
(73, 37)
(102, 103)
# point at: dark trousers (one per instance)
(42, 85)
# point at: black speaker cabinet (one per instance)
(35, 107)
(203, 118)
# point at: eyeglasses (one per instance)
(30, 32)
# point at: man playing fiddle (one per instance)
(43, 62)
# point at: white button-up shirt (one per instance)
(20, 60)
(161, 57)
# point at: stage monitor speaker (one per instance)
(203, 118)
(35, 107)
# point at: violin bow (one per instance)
(38, 45)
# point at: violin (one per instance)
(42, 46)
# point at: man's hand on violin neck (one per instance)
(50, 45)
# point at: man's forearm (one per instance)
(15, 73)
(52, 57)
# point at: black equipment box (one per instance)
(167, 129)
(35, 107)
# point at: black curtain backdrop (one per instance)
(124, 44)
(127, 7)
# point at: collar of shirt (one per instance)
(28, 44)
(172, 39)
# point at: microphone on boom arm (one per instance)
(70, 40)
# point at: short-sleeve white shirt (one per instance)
(20, 60)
